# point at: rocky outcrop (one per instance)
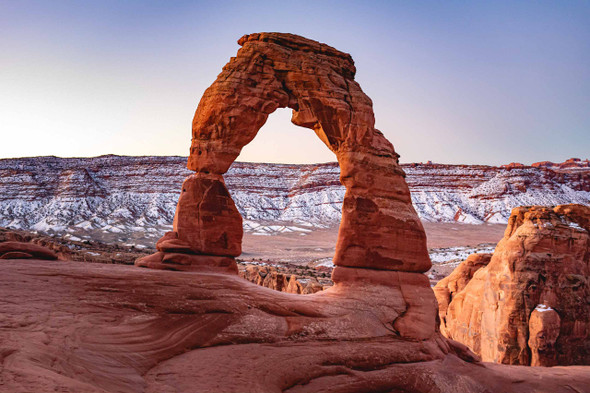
(530, 304)
(544, 329)
(24, 250)
(270, 277)
(447, 288)
(14, 246)
(379, 227)
(381, 249)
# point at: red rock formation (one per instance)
(513, 165)
(542, 261)
(95, 328)
(575, 163)
(379, 227)
(544, 329)
(23, 250)
(447, 288)
(269, 277)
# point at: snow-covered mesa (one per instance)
(121, 195)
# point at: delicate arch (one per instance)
(379, 228)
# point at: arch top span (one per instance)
(379, 229)
(274, 70)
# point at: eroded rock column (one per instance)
(207, 230)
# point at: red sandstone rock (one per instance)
(379, 227)
(269, 277)
(415, 303)
(81, 327)
(447, 288)
(15, 248)
(188, 262)
(543, 259)
(16, 255)
(544, 328)
(207, 218)
(171, 243)
(207, 223)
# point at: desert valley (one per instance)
(291, 212)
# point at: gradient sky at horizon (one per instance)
(452, 82)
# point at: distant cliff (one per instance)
(121, 196)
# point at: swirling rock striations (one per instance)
(531, 304)
(87, 327)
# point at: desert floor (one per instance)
(320, 243)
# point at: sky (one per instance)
(452, 82)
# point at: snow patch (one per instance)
(542, 308)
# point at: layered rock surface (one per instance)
(82, 327)
(531, 304)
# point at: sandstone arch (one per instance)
(379, 227)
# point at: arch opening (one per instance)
(279, 141)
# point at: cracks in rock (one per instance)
(348, 100)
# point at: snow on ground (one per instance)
(457, 254)
(128, 195)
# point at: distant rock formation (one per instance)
(572, 163)
(530, 304)
(270, 277)
(23, 250)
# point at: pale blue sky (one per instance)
(452, 82)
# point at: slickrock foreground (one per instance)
(80, 327)
(529, 304)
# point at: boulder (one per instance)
(23, 250)
(544, 327)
